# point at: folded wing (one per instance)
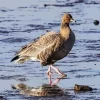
(41, 49)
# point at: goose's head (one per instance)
(67, 18)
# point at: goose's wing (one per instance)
(42, 48)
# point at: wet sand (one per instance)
(21, 22)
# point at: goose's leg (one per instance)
(49, 71)
(57, 70)
(50, 80)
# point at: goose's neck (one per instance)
(65, 30)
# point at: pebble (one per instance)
(96, 22)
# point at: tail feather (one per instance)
(19, 59)
(15, 58)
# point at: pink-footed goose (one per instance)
(50, 47)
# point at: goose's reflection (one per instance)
(50, 89)
(56, 81)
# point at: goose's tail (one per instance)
(15, 58)
(19, 59)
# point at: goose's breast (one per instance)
(65, 48)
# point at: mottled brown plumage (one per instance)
(50, 47)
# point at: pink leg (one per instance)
(49, 71)
(57, 70)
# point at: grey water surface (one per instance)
(21, 21)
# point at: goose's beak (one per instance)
(72, 20)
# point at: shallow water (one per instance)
(22, 21)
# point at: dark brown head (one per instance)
(67, 18)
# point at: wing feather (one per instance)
(42, 48)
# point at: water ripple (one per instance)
(60, 5)
(13, 40)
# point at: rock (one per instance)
(82, 88)
(96, 22)
(1, 98)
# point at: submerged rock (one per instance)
(82, 88)
(1, 98)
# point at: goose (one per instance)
(50, 47)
